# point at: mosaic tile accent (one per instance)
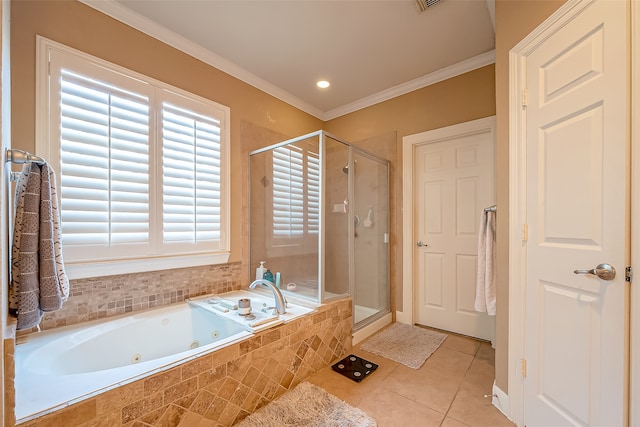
(100, 297)
(225, 386)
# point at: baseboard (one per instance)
(404, 317)
(500, 400)
(361, 334)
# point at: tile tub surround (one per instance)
(9, 375)
(224, 386)
(101, 297)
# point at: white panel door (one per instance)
(577, 215)
(454, 182)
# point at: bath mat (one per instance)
(355, 368)
(406, 344)
(308, 405)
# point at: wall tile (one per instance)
(222, 388)
(100, 297)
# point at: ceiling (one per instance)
(369, 50)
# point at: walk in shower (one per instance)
(319, 219)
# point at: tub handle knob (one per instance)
(266, 309)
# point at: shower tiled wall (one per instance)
(225, 386)
(101, 297)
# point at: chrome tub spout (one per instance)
(280, 302)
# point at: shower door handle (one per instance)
(420, 244)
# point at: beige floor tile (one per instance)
(447, 391)
(450, 422)
(432, 388)
(476, 411)
(349, 390)
(385, 366)
(382, 362)
(486, 352)
(391, 410)
(479, 378)
(452, 362)
(339, 386)
(461, 343)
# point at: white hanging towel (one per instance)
(486, 281)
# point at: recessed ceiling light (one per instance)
(323, 84)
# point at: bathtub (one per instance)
(56, 368)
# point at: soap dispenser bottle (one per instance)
(268, 275)
(260, 271)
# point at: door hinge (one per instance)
(628, 273)
(525, 97)
(524, 368)
(525, 232)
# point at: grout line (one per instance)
(475, 354)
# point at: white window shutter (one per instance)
(296, 193)
(313, 193)
(104, 172)
(142, 166)
(191, 176)
(288, 192)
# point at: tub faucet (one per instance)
(280, 303)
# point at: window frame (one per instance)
(50, 151)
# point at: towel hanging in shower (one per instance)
(486, 280)
(38, 280)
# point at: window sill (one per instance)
(112, 268)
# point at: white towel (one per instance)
(38, 280)
(486, 281)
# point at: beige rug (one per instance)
(406, 344)
(308, 405)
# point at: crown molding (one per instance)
(442, 74)
(157, 31)
(161, 33)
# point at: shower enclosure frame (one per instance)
(353, 151)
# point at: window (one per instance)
(142, 167)
(296, 196)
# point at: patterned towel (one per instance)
(38, 281)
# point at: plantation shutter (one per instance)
(296, 193)
(142, 167)
(313, 193)
(288, 192)
(104, 170)
(191, 159)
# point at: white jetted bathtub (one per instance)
(59, 367)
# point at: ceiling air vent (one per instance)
(422, 5)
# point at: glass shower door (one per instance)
(335, 252)
(370, 204)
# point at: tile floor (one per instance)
(448, 390)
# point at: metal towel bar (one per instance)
(14, 155)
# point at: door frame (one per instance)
(517, 191)
(409, 144)
(634, 312)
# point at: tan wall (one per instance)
(477, 94)
(514, 20)
(79, 26)
(463, 98)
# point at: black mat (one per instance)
(354, 367)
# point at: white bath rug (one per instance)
(406, 344)
(310, 406)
